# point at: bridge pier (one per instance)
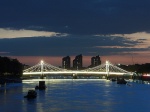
(41, 77)
(74, 76)
(107, 77)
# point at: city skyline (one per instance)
(119, 31)
(57, 61)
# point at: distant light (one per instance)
(146, 74)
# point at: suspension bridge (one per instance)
(107, 69)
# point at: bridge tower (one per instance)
(42, 63)
(107, 69)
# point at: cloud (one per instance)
(69, 45)
(10, 33)
(80, 16)
(142, 38)
(104, 45)
(4, 53)
(123, 47)
(138, 40)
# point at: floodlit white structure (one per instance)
(44, 68)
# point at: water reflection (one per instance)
(75, 96)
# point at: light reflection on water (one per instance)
(76, 96)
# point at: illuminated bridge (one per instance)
(106, 69)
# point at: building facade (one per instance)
(95, 61)
(66, 62)
(77, 62)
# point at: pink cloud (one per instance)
(4, 53)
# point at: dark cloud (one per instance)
(77, 16)
(69, 45)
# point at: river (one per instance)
(78, 95)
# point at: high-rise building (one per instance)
(66, 62)
(77, 62)
(95, 61)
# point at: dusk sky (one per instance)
(116, 30)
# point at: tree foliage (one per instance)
(11, 67)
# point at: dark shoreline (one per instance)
(4, 80)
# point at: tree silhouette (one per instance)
(10, 67)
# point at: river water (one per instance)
(78, 95)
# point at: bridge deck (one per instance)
(103, 69)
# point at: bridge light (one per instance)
(42, 61)
(119, 64)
